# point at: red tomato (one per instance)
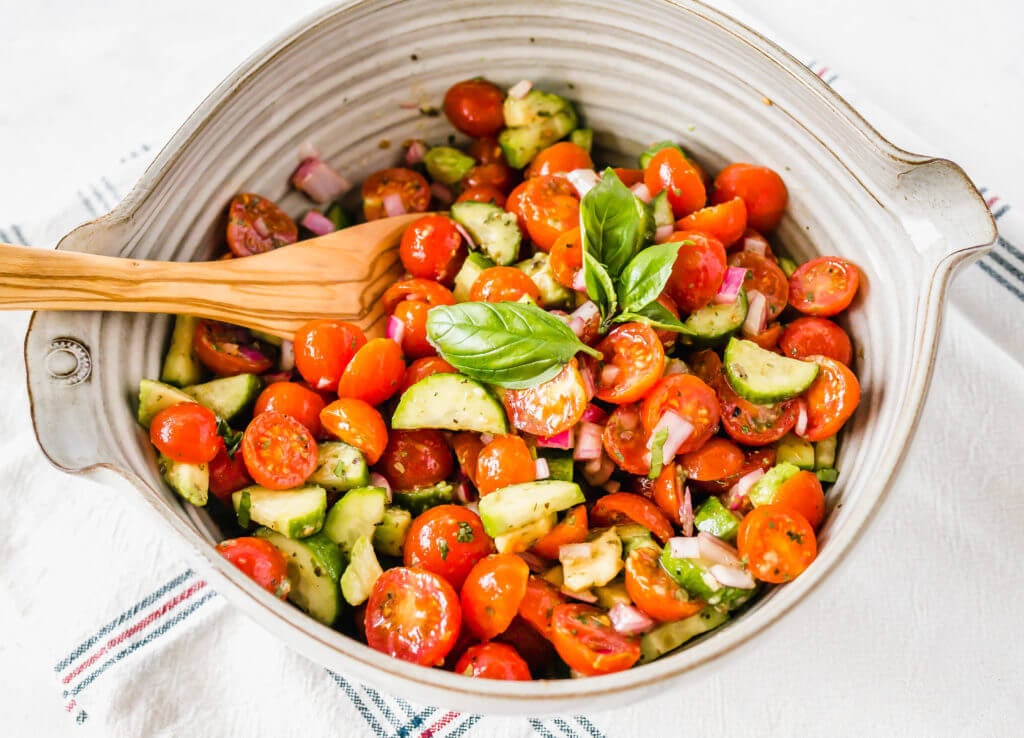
(356, 423)
(670, 170)
(416, 458)
(503, 283)
(831, 399)
(824, 286)
(698, 271)
(432, 248)
(227, 474)
(538, 603)
(467, 447)
(546, 207)
(668, 492)
(259, 560)
(497, 175)
(808, 336)
(707, 365)
(279, 451)
(717, 459)
(295, 400)
(668, 338)
(256, 225)
(423, 368)
(374, 373)
(762, 458)
(634, 360)
(629, 177)
(802, 492)
(548, 408)
(227, 350)
(764, 276)
(505, 460)
(751, 424)
(536, 650)
(409, 189)
(323, 348)
(654, 591)
(777, 543)
(561, 157)
(768, 339)
(623, 507)
(572, 528)
(474, 107)
(416, 290)
(761, 188)
(587, 642)
(691, 399)
(447, 540)
(483, 193)
(625, 442)
(491, 594)
(486, 150)
(413, 615)
(726, 222)
(566, 258)
(493, 661)
(186, 432)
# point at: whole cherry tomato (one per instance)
(416, 458)
(186, 432)
(698, 270)
(358, 424)
(761, 189)
(323, 348)
(227, 475)
(726, 222)
(505, 460)
(546, 206)
(295, 400)
(559, 158)
(422, 368)
(831, 398)
(493, 661)
(483, 193)
(491, 594)
(474, 107)
(497, 175)
(670, 170)
(808, 336)
(503, 283)
(259, 560)
(432, 248)
(447, 540)
(375, 372)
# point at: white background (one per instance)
(925, 648)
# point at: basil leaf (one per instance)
(614, 223)
(600, 287)
(645, 276)
(232, 438)
(509, 344)
(655, 315)
(658, 453)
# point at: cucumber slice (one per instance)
(763, 491)
(560, 463)
(421, 499)
(521, 539)
(584, 138)
(827, 476)
(474, 264)
(693, 576)
(591, 564)
(661, 209)
(451, 402)
(314, 568)
(228, 396)
(191, 481)
(670, 636)
(715, 518)
(552, 293)
(155, 396)
(634, 536)
(494, 230)
(340, 467)
(295, 513)
(612, 594)
(712, 324)
(361, 574)
(520, 504)
(447, 165)
(389, 535)
(522, 143)
(533, 108)
(355, 516)
(764, 377)
(825, 453)
(795, 450)
(181, 365)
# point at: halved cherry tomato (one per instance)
(776, 542)
(227, 474)
(629, 177)
(808, 336)
(486, 150)
(670, 170)
(279, 451)
(768, 339)
(761, 188)
(698, 271)
(416, 290)
(260, 560)
(762, 457)
(227, 350)
(824, 286)
(566, 258)
(548, 408)
(625, 441)
(717, 459)
(374, 373)
(668, 338)
(766, 277)
(496, 174)
(634, 360)
(571, 529)
(831, 398)
(186, 432)
(505, 460)
(515, 204)
(726, 222)
(358, 424)
(538, 604)
(503, 284)
(802, 492)
(535, 649)
(707, 365)
(561, 157)
(294, 399)
(422, 368)
(413, 615)
(447, 540)
(413, 316)
(621, 507)
(415, 458)
(491, 594)
(257, 225)
(467, 447)
(654, 591)
(432, 248)
(547, 207)
(691, 399)
(751, 424)
(585, 639)
(483, 193)
(474, 107)
(493, 661)
(323, 348)
(410, 188)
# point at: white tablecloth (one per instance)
(917, 634)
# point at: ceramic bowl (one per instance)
(350, 79)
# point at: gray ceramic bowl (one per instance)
(640, 71)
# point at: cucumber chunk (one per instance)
(764, 489)
(825, 453)
(451, 402)
(474, 264)
(340, 467)
(670, 636)
(355, 516)
(520, 504)
(534, 122)
(560, 463)
(593, 563)
(314, 568)
(712, 324)
(295, 513)
(421, 499)
(764, 377)
(521, 539)
(694, 576)
(787, 265)
(191, 481)
(795, 450)
(715, 518)
(661, 209)
(612, 594)
(155, 396)
(494, 230)
(181, 365)
(634, 536)
(827, 476)
(584, 138)
(447, 165)
(228, 396)
(389, 535)
(552, 293)
(361, 574)
(534, 108)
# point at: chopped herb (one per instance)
(465, 534)
(442, 546)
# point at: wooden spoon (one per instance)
(341, 275)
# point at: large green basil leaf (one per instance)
(600, 287)
(509, 344)
(614, 223)
(655, 315)
(646, 275)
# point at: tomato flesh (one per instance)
(493, 661)
(550, 407)
(777, 543)
(587, 642)
(257, 225)
(824, 286)
(413, 615)
(634, 360)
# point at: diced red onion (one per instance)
(683, 548)
(676, 366)
(594, 414)
(251, 354)
(801, 419)
(321, 183)
(716, 551)
(587, 312)
(757, 314)
(588, 381)
(598, 471)
(414, 154)
(642, 193)
(465, 234)
(584, 180)
(486, 438)
(541, 468)
(563, 440)
(612, 486)
(679, 430)
(395, 330)
(318, 223)
(755, 244)
(261, 227)
(686, 512)
(577, 326)
(463, 490)
(731, 576)
(308, 151)
(628, 620)
(443, 194)
(609, 373)
(269, 379)
(379, 480)
(520, 89)
(583, 596)
(393, 204)
(561, 315)
(287, 360)
(731, 285)
(588, 444)
(738, 492)
(536, 563)
(579, 281)
(664, 233)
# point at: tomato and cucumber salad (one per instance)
(602, 419)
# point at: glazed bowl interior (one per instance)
(639, 72)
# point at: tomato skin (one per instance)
(493, 661)
(751, 424)
(538, 604)
(777, 543)
(536, 650)
(621, 507)
(572, 528)
(670, 170)
(625, 441)
(762, 457)
(227, 474)
(761, 189)
(653, 591)
(279, 451)
(698, 271)
(257, 225)
(422, 368)
(467, 447)
(824, 286)
(374, 373)
(295, 400)
(802, 492)
(447, 540)
(496, 174)
(629, 177)
(416, 290)
(765, 276)
(415, 458)
(413, 315)
(413, 615)
(260, 560)
(550, 407)
(486, 150)
(227, 350)
(638, 358)
(768, 339)
(432, 248)
(358, 424)
(560, 157)
(717, 459)
(186, 432)
(547, 206)
(809, 336)
(323, 348)
(669, 491)
(491, 594)
(566, 258)
(409, 185)
(831, 398)
(689, 397)
(483, 193)
(503, 284)
(584, 638)
(474, 107)
(726, 222)
(505, 460)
